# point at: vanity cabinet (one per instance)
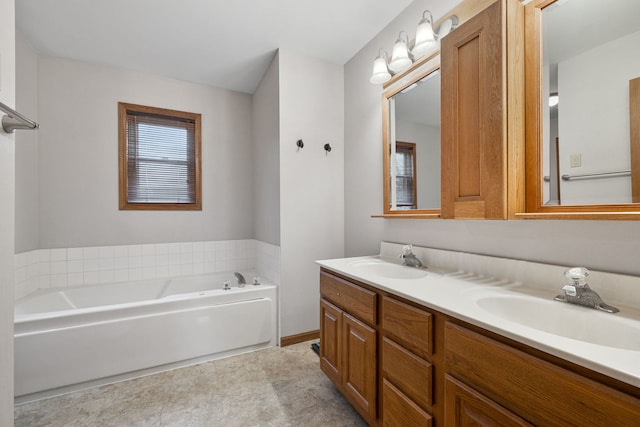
(400, 363)
(348, 337)
(489, 380)
(482, 115)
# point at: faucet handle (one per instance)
(569, 290)
(406, 250)
(577, 275)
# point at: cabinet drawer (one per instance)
(408, 372)
(409, 326)
(543, 393)
(466, 407)
(399, 410)
(355, 299)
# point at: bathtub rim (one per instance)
(19, 319)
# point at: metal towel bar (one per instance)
(13, 120)
(612, 174)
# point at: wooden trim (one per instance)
(411, 147)
(386, 148)
(620, 216)
(408, 216)
(533, 107)
(124, 204)
(298, 338)
(634, 123)
(534, 204)
(426, 68)
(515, 108)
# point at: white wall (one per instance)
(311, 183)
(594, 119)
(266, 157)
(26, 148)
(7, 208)
(603, 245)
(78, 158)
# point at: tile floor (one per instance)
(272, 387)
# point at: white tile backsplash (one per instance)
(61, 267)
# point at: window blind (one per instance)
(160, 153)
(405, 176)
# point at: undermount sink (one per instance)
(566, 320)
(389, 270)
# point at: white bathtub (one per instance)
(68, 337)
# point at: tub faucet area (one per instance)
(240, 279)
(578, 291)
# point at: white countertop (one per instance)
(456, 292)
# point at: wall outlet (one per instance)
(575, 160)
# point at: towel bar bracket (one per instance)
(13, 120)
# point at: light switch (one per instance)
(575, 160)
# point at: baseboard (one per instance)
(295, 339)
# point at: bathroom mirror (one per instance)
(583, 105)
(411, 142)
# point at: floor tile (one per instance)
(272, 387)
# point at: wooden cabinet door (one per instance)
(359, 365)
(330, 341)
(399, 410)
(465, 407)
(482, 115)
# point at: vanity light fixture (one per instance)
(380, 71)
(427, 39)
(400, 60)
(554, 99)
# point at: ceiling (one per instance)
(576, 26)
(222, 43)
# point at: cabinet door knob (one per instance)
(337, 294)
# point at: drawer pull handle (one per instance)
(337, 294)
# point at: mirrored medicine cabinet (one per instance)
(582, 88)
(411, 142)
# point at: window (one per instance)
(159, 156)
(406, 175)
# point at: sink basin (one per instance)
(566, 320)
(389, 270)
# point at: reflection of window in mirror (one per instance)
(406, 182)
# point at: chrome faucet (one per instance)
(240, 279)
(579, 292)
(410, 259)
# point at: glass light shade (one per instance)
(380, 71)
(425, 39)
(400, 56)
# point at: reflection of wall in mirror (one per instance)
(427, 140)
(594, 119)
(546, 137)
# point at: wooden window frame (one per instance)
(123, 110)
(411, 148)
